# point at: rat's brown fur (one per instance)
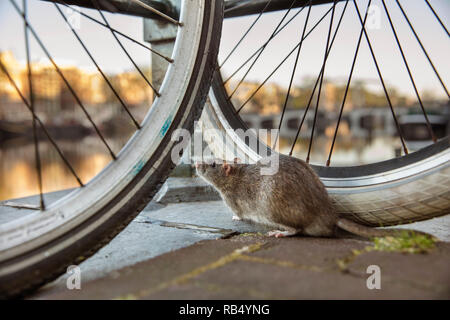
(292, 199)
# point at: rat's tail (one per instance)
(368, 232)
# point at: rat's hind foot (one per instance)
(281, 234)
(236, 218)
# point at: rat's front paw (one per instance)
(280, 234)
(236, 218)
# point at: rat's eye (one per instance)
(213, 165)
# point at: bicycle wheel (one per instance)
(38, 247)
(405, 189)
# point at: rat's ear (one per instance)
(237, 160)
(227, 169)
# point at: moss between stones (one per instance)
(406, 242)
(250, 234)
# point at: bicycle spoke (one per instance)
(317, 81)
(409, 72)
(325, 56)
(405, 149)
(58, 70)
(116, 94)
(37, 158)
(423, 48)
(240, 6)
(41, 124)
(117, 32)
(347, 87)
(282, 62)
(437, 17)
(293, 74)
(126, 53)
(260, 48)
(159, 13)
(246, 32)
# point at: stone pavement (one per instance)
(193, 250)
(253, 266)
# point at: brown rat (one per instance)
(293, 200)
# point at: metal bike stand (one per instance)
(161, 36)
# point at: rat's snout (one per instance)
(199, 166)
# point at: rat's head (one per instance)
(216, 172)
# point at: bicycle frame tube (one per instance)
(233, 8)
(237, 8)
(128, 7)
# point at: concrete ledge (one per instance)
(177, 190)
(183, 171)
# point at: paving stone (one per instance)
(323, 252)
(428, 272)
(257, 267)
(133, 281)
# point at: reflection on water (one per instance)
(88, 156)
(18, 176)
(346, 152)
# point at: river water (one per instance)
(88, 156)
(18, 178)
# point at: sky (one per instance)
(64, 47)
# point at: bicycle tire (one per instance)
(403, 190)
(26, 262)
